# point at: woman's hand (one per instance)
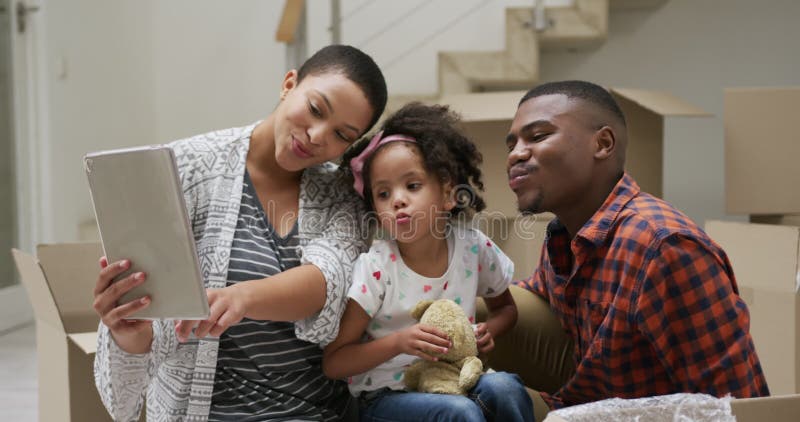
(422, 341)
(132, 336)
(228, 307)
(484, 338)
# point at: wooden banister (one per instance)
(290, 19)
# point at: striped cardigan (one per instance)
(179, 378)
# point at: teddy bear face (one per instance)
(448, 316)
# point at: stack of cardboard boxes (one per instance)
(762, 149)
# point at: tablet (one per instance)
(141, 214)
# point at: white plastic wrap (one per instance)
(671, 408)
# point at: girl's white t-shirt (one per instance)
(387, 290)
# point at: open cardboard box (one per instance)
(766, 262)
(60, 285)
(655, 121)
(762, 149)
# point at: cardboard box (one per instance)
(60, 285)
(760, 409)
(772, 409)
(655, 121)
(766, 262)
(762, 147)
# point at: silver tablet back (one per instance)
(141, 215)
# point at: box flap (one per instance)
(763, 256)
(660, 102)
(492, 106)
(773, 409)
(39, 294)
(85, 341)
(484, 106)
(71, 271)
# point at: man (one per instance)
(649, 300)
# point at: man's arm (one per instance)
(699, 327)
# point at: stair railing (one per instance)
(292, 31)
(539, 16)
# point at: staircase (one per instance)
(515, 67)
(582, 26)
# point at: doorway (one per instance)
(19, 146)
(8, 226)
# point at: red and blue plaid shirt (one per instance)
(651, 303)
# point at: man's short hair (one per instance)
(583, 90)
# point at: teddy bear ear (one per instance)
(420, 309)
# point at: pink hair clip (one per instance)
(357, 163)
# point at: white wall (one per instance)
(122, 73)
(150, 71)
(99, 85)
(216, 64)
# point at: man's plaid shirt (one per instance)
(651, 302)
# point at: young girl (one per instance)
(418, 175)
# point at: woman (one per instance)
(277, 232)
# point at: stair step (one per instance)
(480, 70)
(505, 84)
(474, 107)
(582, 26)
(395, 102)
(516, 66)
(484, 106)
(636, 4)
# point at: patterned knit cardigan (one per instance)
(179, 378)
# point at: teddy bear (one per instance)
(456, 371)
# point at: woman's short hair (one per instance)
(355, 65)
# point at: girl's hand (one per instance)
(132, 336)
(227, 308)
(484, 338)
(422, 340)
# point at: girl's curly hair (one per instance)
(443, 147)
